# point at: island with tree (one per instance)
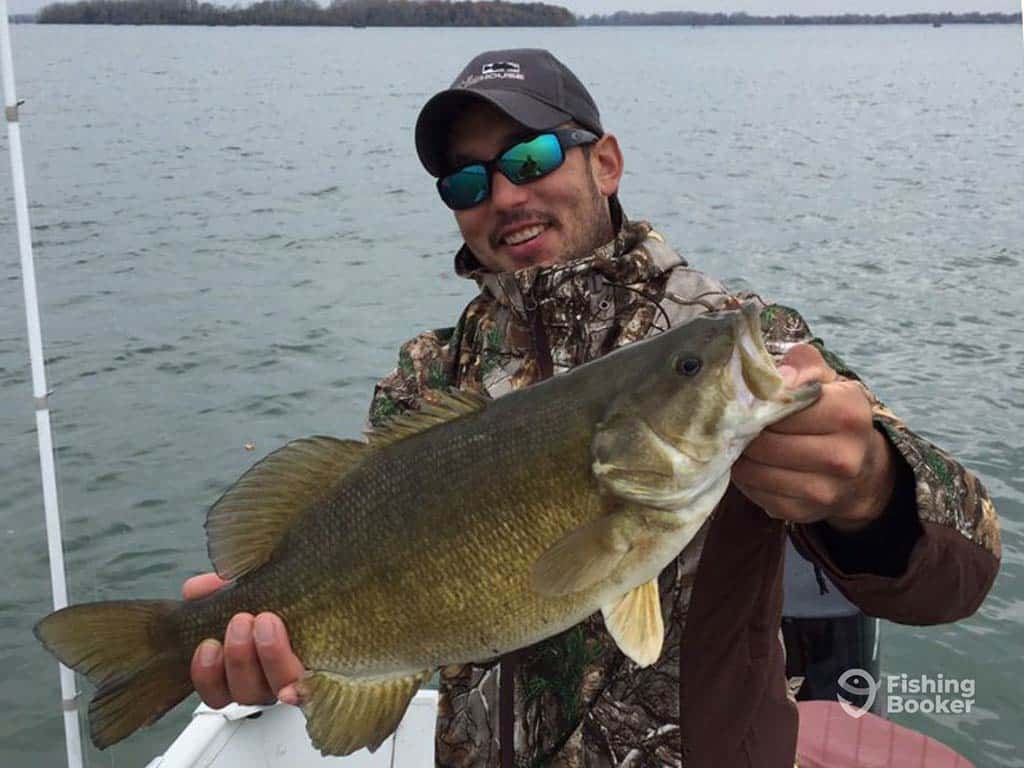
(339, 13)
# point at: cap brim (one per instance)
(434, 122)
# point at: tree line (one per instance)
(693, 18)
(347, 13)
(442, 13)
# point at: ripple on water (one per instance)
(321, 192)
(143, 554)
(262, 365)
(176, 368)
(82, 542)
(304, 348)
(149, 503)
(136, 573)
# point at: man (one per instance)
(898, 525)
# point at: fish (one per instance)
(454, 534)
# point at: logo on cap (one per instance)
(509, 67)
(494, 70)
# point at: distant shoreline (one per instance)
(691, 18)
(434, 13)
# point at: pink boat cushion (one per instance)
(830, 738)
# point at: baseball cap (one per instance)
(528, 84)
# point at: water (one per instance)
(233, 235)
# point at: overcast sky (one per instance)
(759, 7)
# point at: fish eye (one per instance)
(688, 365)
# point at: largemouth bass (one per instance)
(454, 534)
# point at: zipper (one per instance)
(539, 337)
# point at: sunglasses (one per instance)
(521, 163)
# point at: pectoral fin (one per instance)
(636, 624)
(584, 557)
(343, 715)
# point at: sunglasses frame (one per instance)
(567, 139)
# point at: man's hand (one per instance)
(254, 665)
(827, 462)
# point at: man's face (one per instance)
(552, 220)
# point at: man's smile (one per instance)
(521, 234)
(526, 245)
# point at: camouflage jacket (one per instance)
(577, 700)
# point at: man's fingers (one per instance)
(753, 477)
(830, 455)
(208, 674)
(255, 661)
(770, 483)
(806, 364)
(202, 585)
(784, 450)
(281, 666)
(289, 695)
(246, 681)
(842, 407)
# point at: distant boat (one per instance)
(936, 23)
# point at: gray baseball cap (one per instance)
(528, 84)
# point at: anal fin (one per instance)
(635, 622)
(344, 714)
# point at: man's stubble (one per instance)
(595, 221)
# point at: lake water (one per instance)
(233, 235)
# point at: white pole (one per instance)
(68, 689)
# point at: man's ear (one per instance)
(606, 164)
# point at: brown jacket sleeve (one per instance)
(934, 554)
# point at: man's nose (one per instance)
(505, 194)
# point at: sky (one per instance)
(756, 7)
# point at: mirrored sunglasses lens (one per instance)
(465, 188)
(531, 159)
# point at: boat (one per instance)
(275, 737)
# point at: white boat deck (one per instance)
(275, 737)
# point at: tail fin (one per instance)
(130, 651)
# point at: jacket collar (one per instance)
(637, 254)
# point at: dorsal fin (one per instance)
(446, 406)
(244, 526)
